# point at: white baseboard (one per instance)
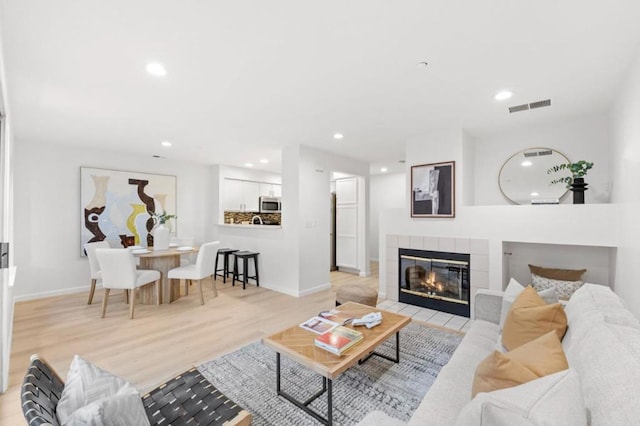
(289, 292)
(41, 295)
(282, 290)
(315, 289)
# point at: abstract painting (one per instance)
(118, 205)
(433, 190)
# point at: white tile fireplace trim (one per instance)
(477, 248)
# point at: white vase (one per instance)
(161, 237)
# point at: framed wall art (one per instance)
(118, 205)
(433, 190)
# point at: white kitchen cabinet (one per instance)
(270, 190)
(251, 195)
(233, 199)
(241, 195)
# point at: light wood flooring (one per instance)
(161, 341)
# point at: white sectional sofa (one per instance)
(602, 346)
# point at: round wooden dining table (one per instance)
(163, 261)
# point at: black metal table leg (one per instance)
(396, 359)
(327, 386)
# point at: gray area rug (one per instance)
(248, 377)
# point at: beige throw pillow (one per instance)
(530, 317)
(538, 358)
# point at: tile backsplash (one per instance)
(239, 217)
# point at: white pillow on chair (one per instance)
(96, 397)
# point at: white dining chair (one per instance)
(203, 268)
(187, 259)
(94, 266)
(118, 270)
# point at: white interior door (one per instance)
(347, 223)
(7, 269)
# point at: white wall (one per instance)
(47, 222)
(584, 138)
(625, 167)
(552, 226)
(388, 191)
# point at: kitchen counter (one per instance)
(239, 225)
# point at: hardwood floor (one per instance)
(161, 341)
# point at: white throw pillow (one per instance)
(87, 384)
(117, 410)
(552, 400)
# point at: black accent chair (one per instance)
(188, 398)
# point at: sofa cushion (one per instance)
(603, 348)
(87, 384)
(535, 359)
(555, 399)
(530, 317)
(456, 378)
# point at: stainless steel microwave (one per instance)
(270, 204)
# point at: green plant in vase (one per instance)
(163, 218)
(161, 230)
(575, 182)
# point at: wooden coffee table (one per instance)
(298, 344)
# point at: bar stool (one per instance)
(245, 256)
(226, 252)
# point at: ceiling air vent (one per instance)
(530, 154)
(532, 105)
(519, 108)
(540, 104)
(548, 152)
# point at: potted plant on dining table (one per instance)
(161, 230)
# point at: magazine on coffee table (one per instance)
(318, 325)
(336, 316)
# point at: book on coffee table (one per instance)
(338, 339)
(318, 325)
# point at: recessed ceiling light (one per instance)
(338, 136)
(383, 169)
(501, 96)
(534, 194)
(165, 143)
(248, 164)
(156, 69)
(264, 161)
(526, 163)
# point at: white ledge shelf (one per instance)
(239, 225)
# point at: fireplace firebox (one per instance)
(435, 280)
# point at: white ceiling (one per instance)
(246, 78)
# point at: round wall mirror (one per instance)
(524, 179)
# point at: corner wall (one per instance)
(625, 167)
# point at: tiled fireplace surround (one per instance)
(477, 248)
